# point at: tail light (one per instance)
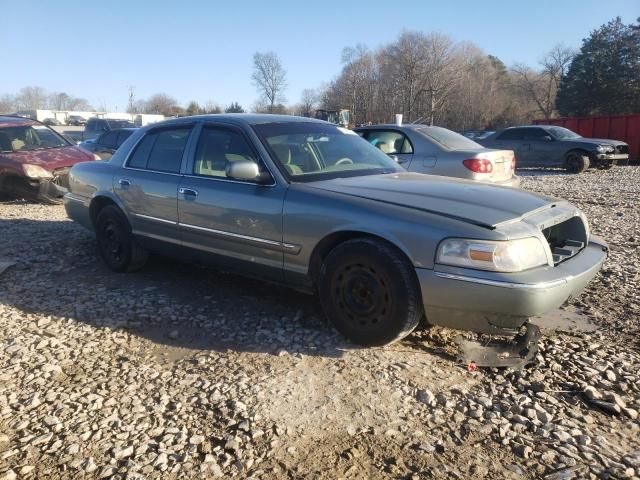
(478, 165)
(513, 162)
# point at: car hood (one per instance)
(598, 141)
(468, 201)
(49, 159)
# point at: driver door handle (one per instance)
(188, 191)
(124, 182)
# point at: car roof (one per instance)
(405, 126)
(15, 120)
(243, 118)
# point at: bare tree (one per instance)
(32, 98)
(308, 102)
(269, 78)
(163, 104)
(541, 86)
(7, 103)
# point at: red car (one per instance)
(35, 160)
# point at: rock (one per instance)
(196, 439)
(523, 451)
(27, 469)
(72, 449)
(8, 475)
(120, 453)
(425, 396)
(90, 465)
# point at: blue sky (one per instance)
(202, 50)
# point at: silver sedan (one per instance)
(311, 205)
(438, 151)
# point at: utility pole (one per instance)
(131, 97)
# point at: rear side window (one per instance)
(535, 134)
(390, 142)
(161, 150)
(512, 134)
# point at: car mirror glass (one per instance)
(547, 138)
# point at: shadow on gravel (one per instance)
(174, 304)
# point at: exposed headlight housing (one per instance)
(605, 148)
(496, 256)
(35, 171)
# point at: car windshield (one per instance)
(562, 133)
(120, 124)
(448, 139)
(309, 151)
(23, 138)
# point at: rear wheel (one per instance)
(576, 162)
(116, 245)
(369, 292)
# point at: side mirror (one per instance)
(247, 171)
(547, 138)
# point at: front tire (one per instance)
(116, 245)
(369, 292)
(576, 162)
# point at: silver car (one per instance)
(311, 205)
(438, 151)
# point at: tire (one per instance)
(116, 245)
(369, 292)
(576, 162)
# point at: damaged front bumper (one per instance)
(501, 303)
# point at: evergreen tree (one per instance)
(234, 108)
(604, 77)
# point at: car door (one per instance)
(514, 139)
(392, 142)
(542, 148)
(239, 222)
(148, 182)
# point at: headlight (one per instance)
(35, 171)
(96, 157)
(497, 256)
(605, 148)
(586, 224)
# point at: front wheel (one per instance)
(369, 292)
(116, 245)
(576, 162)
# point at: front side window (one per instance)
(161, 150)
(535, 134)
(562, 133)
(124, 134)
(512, 134)
(390, 142)
(29, 137)
(308, 151)
(217, 148)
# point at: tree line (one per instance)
(430, 78)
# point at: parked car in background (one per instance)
(551, 146)
(52, 122)
(76, 120)
(309, 204)
(438, 151)
(35, 160)
(97, 126)
(106, 144)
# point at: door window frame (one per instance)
(183, 160)
(191, 158)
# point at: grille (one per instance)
(622, 148)
(61, 177)
(566, 239)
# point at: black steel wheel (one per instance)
(369, 292)
(116, 244)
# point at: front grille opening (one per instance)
(566, 239)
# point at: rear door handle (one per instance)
(188, 191)
(124, 182)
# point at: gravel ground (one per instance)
(184, 372)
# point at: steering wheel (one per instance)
(344, 161)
